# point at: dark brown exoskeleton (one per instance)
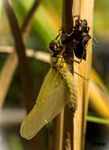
(79, 37)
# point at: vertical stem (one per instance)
(59, 129)
(78, 114)
(67, 20)
(55, 142)
(67, 23)
(68, 129)
(82, 8)
(87, 6)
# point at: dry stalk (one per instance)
(84, 8)
(6, 80)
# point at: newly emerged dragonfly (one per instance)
(58, 89)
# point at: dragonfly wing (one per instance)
(50, 102)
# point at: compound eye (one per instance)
(52, 45)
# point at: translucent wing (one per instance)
(49, 103)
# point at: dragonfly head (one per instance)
(55, 47)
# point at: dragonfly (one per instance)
(57, 90)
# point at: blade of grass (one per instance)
(50, 21)
(36, 54)
(25, 73)
(12, 67)
(15, 142)
(99, 100)
(26, 26)
(97, 120)
(8, 69)
(98, 80)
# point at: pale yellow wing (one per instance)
(50, 102)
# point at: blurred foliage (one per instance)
(15, 95)
(44, 28)
(15, 142)
(101, 17)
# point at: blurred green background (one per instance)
(45, 25)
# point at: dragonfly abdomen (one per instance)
(72, 102)
(63, 68)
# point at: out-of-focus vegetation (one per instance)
(45, 25)
(101, 17)
(43, 30)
